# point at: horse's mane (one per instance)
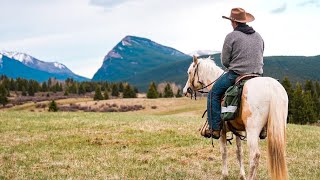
(208, 68)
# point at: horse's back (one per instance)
(258, 95)
(263, 88)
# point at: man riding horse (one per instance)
(242, 53)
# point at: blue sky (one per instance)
(79, 33)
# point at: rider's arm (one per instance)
(226, 51)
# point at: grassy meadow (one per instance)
(159, 142)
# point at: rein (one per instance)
(200, 90)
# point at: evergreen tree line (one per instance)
(29, 87)
(115, 89)
(304, 101)
(168, 92)
(69, 86)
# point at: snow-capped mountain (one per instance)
(133, 55)
(12, 64)
(203, 52)
(51, 67)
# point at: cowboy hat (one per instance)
(240, 15)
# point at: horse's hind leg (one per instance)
(223, 150)
(252, 141)
(240, 159)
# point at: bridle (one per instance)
(196, 73)
(193, 91)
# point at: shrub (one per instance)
(53, 106)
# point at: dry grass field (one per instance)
(159, 142)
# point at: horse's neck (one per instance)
(211, 73)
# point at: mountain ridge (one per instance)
(133, 55)
(49, 69)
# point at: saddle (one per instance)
(246, 77)
(230, 102)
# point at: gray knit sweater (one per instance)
(243, 53)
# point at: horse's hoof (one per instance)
(225, 176)
(243, 177)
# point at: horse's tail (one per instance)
(277, 137)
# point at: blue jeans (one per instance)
(214, 99)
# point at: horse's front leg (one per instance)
(240, 159)
(223, 150)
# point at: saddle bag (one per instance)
(231, 102)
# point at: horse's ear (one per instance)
(195, 60)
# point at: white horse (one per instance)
(264, 102)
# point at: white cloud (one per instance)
(107, 3)
(280, 9)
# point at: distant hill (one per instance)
(15, 64)
(135, 55)
(297, 68)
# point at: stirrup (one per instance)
(263, 133)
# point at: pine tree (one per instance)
(178, 95)
(317, 97)
(53, 107)
(57, 87)
(168, 93)
(66, 93)
(61, 87)
(106, 95)
(97, 94)
(136, 90)
(3, 95)
(107, 86)
(121, 87)
(44, 87)
(72, 89)
(310, 115)
(81, 90)
(6, 83)
(308, 86)
(317, 87)
(103, 87)
(115, 90)
(54, 88)
(316, 102)
(23, 93)
(152, 91)
(298, 106)
(36, 86)
(288, 87)
(12, 85)
(128, 92)
(49, 83)
(31, 90)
